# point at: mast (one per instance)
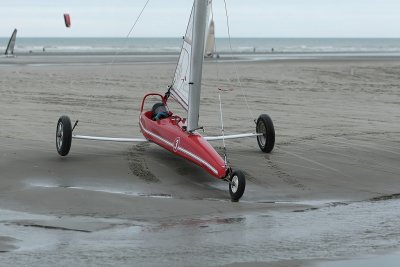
(196, 62)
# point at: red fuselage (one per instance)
(169, 134)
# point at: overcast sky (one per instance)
(168, 18)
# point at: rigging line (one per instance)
(114, 56)
(222, 130)
(215, 45)
(234, 64)
(219, 91)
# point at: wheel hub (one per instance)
(261, 129)
(234, 184)
(59, 135)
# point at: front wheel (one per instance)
(63, 135)
(264, 126)
(237, 184)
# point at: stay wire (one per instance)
(105, 74)
(219, 96)
(222, 130)
(235, 65)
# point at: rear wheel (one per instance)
(237, 185)
(266, 141)
(63, 135)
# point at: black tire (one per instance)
(237, 185)
(63, 135)
(265, 126)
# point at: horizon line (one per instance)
(232, 37)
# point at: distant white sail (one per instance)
(210, 42)
(180, 85)
(11, 44)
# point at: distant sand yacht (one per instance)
(10, 47)
(209, 50)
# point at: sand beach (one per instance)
(328, 191)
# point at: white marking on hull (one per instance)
(113, 139)
(181, 149)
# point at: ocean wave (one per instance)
(223, 45)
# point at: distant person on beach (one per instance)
(272, 50)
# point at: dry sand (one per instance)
(337, 141)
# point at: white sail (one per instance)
(11, 44)
(210, 43)
(186, 86)
(180, 85)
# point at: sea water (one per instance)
(363, 46)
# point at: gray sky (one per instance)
(168, 18)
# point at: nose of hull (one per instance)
(168, 133)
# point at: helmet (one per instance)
(158, 107)
(159, 111)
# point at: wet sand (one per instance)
(337, 153)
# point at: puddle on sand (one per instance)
(99, 189)
(384, 260)
(329, 232)
(33, 232)
(7, 244)
(26, 239)
(195, 223)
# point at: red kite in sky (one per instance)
(67, 20)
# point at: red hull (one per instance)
(169, 134)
